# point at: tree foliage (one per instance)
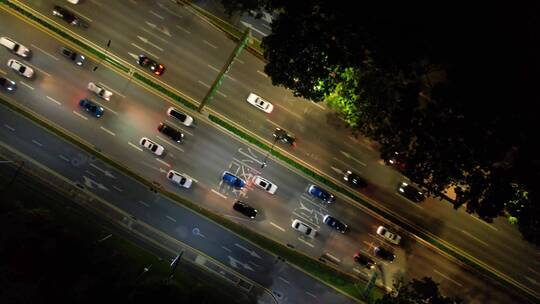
(452, 89)
(424, 291)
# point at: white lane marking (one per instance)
(309, 293)
(275, 124)
(163, 162)
(26, 85)
(85, 17)
(217, 70)
(307, 243)
(277, 226)
(157, 15)
(348, 155)
(449, 279)
(107, 130)
(360, 272)
(35, 67)
(45, 52)
(484, 222)
(54, 100)
(108, 109)
(163, 7)
(170, 218)
(286, 282)
(63, 157)
(318, 105)
(287, 110)
(9, 127)
(3, 72)
(211, 45)
(142, 49)
(535, 282)
(534, 271)
(37, 143)
(251, 157)
(145, 40)
(89, 173)
(135, 146)
(208, 86)
(218, 193)
(236, 59)
(333, 257)
(96, 3)
(81, 116)
(246, 24)
(171, 144)
(267, 26)
(117, 189)
(183, 29)
(181, 127)
(154, 35)
(109, 88)
(477, 239)
(262, 73)
(144, 204)
(226, 249)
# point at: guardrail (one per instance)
(167, 91)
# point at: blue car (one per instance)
(233, 180)
(322, 194)
(91, 107)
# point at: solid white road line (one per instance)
(142, 49)
(27, 85)
(63, 157)
(211, 45)
(45, 52)
(134, 146)
(285, 281)
(183, 29)
(156, 14)
(449, 279)
(117, 189)
(54, 100)
(262, 73)
(163, 162)
(277, 226)
(309, 293)
(218, 193)
(144, 204)
(9, 127)
(307, 243)
(81, 116)
(226, 249)
(37, 143)
(477, 239)
(107, 130)
(170, 218)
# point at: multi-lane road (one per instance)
(193, 51)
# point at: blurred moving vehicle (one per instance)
(245, 209)
(15, 47)
(285, 137)
(150, 64)
(77, 58)
(171, 132)
(321, 194)
(68, 16)
(180, 179)
(304, 228)
(21, 68)
(260, 103)
(384, 253)
(185, 119)
(388, 235)
(91, 107)
(364, 260)
(7, 84)
(335, 223)
(100, 91)
(233, 180)
(265, 184)
(151, 146)
(410, 192)
(354, 180)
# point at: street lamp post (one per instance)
(106, 53)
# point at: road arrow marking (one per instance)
(90, 183)
(251, 252)
(347, 155)
(145, 40)
(105, 172)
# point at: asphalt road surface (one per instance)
(206, 153)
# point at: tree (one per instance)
(451, 89)
(424, 291)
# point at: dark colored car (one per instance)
(245, 209)
(150, 64)
(185, 119)
(410, 192)
(354, 180)
(384, 254)
(364, 260)
(321, 194)
(335, 223)
(171, 132)
(72, 55)
(397, 160)
(68, 16)
(91, 107)
(233, 180)
(285, 137)
(7, 84)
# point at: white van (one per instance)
(15, 47)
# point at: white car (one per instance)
(73, 1)
(152, 146)
(265, 184)
(100, 91)
(388, 235)
(21, 68)
(179, 179)
(260, 103)
(185, 119)
(15, 47)
(304, 228)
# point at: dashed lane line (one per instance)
(211, 45)
(45, 52)
(27, 85)
(134, 146)
(143, 203)
(226, 249)
(54, 100)
(144, 50)
(117, 189)
(183, 29)
(9, 127)
(285, 281)
(262, 73)
(170, 218)
(473, 237)
(37, 143)
(63, 157)
(217, 70)
(310, 294)
(306, 242)
(448, 278)
(163, 162)
(277, 226)
(167, 142)
(107, 130)
(157, 15)
(80, 115)
(218, 193)
(240, 61)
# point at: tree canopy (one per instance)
(451, 88)
(424, 291)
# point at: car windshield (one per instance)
(153, 147)
(183, 180)
(263, 184)
(22, 69)
(179, 115)
(308, 230)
